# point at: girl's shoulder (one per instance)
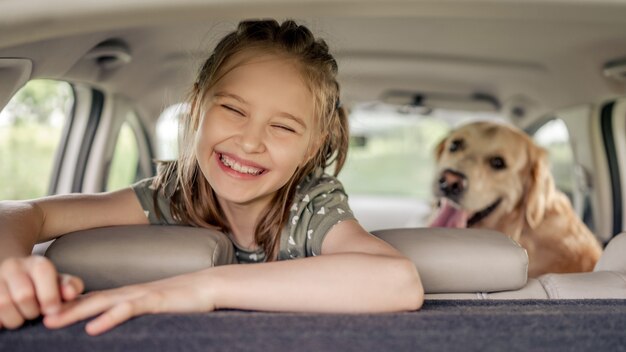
(319, 204)
(318, 183)
(155, 200)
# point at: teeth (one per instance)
(238, 167)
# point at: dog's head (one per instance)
(490, 175)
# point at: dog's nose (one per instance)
(452, 183)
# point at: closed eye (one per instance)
(285, 128)
(230, 108)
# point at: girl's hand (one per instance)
(31, 286)
(180, 294)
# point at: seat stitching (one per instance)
(549, 286)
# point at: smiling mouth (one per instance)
(483, 213)
(236, 166)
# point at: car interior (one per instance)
(117, 73)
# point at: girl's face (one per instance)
(256, 130)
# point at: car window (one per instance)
(391, 153)
(125, 163)
(391, 162)
(167, 131)
(554, 137)
(31, 130)
(392, 148)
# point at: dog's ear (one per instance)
(439, 148)
(540, 186)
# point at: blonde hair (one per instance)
(193, 201)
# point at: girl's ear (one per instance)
(540, 190)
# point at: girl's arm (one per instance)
(25, 223)
(43, 219)
(356, 273)
(30, 285)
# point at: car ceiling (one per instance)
(539, 55)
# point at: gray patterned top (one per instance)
(319, 203)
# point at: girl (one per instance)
(265, 121)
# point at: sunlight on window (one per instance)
(123, 171)
(168, 131)
(31, 126)
(554, 137)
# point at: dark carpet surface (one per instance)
(537, 325)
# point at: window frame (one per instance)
(59, 157)
(144, 147)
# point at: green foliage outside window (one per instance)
(30, 130)
(123, 171)
(396, 162)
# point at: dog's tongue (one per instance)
(450, 215)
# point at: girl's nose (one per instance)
(251, 138)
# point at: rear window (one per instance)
(392, 148)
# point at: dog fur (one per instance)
(483, 164)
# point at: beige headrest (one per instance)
(448, 260)
(461, 260)
(613, 258)
(115, 256)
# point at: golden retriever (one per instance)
(493, 176)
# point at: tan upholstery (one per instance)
(453, 263)
(532, 290)
(461, 260)
(115, 256)
(600, 284)
(607, 281)
(614, 256)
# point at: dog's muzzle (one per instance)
(452, 184)
(483, 213)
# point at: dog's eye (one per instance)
(497, 163)
(456, 145)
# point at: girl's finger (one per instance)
(22, 293)
(79, 309)
(45, 279)
(153, 302)
(71, 286)
(9, 315)
(144, 304)
(115, 316)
